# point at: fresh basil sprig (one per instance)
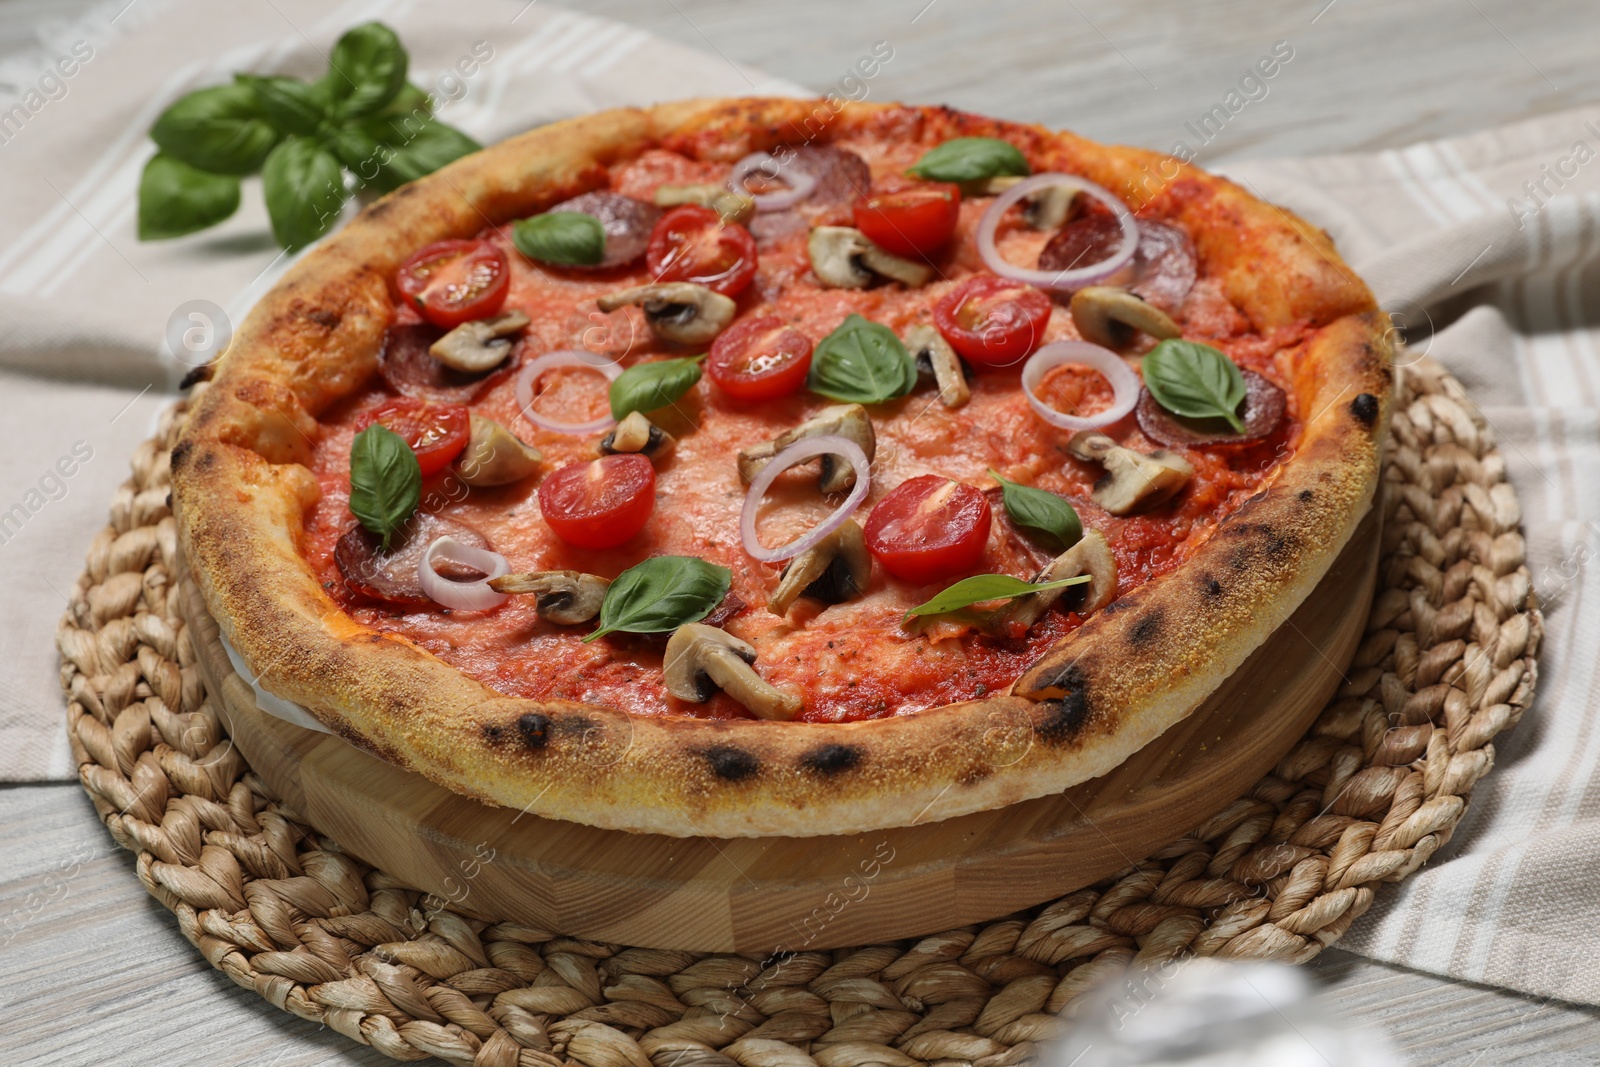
(970, 159)
(647, 386)
(362, 116)
(662, 594)
(385, 481)
(1195, 381)
(1042, 511)
(981, 587)
(569, 238)
(862, 362)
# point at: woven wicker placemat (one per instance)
(1373, 790)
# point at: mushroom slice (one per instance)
(681, 312)
(842, 257)
(495, 456)
(637, 434)
(1047, 209)
(1133, 480)
(732, 206)
(835, 569)
(838, 476)
(1109, 316)
(479, 345)
(928, 346)
(1091, 556)
(564, 597)
(701, 659)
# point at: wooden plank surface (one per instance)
(93, 971)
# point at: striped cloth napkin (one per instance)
(1486, 248)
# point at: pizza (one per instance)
(780, 467)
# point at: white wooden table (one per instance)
(94, 971)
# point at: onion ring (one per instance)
(462, 596)
(567, 357)
(1056, 279)
(1124, 383)
(801, 184)
(797, 453)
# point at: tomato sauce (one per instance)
(852, 660)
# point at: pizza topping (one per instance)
(1090, 557)
(849, 421)
(1262, 410)
(828, 445)
(409, 368)
(915, 221)
(1133, 480)
(681, 313)
(1084, 269)
(984, 588)
(992, 321)
(437, 433)
(801, 184)
(929, 528)
(563, 238)
(601, 503)
(652, 385)
(480, 345)
(1115, 370)
(562, 597)
(1108, 316)
(661, 594)
(732, 206)
(842, 176)
(624, 224)
(862, 362)
(636, 434)
(385, 481)
(495, 456)
(702, 659)
(835, 569)
(972, 159)
(391, 574)
(844, 258)
(935, 357)
(450, 282)
(1041, 511)
(1165, 265)
(468, 594)
(760, 359)
(529, 378)
(1196, 381)
(695, 244)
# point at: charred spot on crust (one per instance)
(731, 763)
(328, 320)
(1146, 629)
(180, 454)
(1064, 699)
(1210, 587)
(493, 732)
(535, 729)
(199, 374)
(1306, 495)
(831, 759)
(1365, 408)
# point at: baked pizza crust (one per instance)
(242, 487)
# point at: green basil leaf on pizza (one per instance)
(1039, 510)
(385, 481)
(647, 386)
(568, 238)
(971, 159)
(1195, 381)
(983, 587)
(862, 362)
(661, 594)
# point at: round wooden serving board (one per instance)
(763, 894)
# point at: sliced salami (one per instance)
(392, 576)
(411, 370)
(1263, 409)
(627, 223)
(1163, 268)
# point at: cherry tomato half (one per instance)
(693, 244)
(451, 282)
(759, 359)
(993, 321)
(929, 528)
(599, 504)
(912, 222)
(436, 432)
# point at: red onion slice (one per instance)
(473, 595)
(626, 221)
(1124, 383)
(801, 184)
(391, 576)
(797, 453)
(1075, 278)
(569, 357)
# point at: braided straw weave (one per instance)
(1373, 790)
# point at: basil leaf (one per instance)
(662, 594)
(175, 198)
(385, 480)
(1195, 381)
(408, 147)
(647, 386)
(567, 237)
(288, 103)
(981, 587)
(305, 191)
(1041, 510)
(970, 159)
(221, 129)
(862, 362)
(366, 70)
(410, 100)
